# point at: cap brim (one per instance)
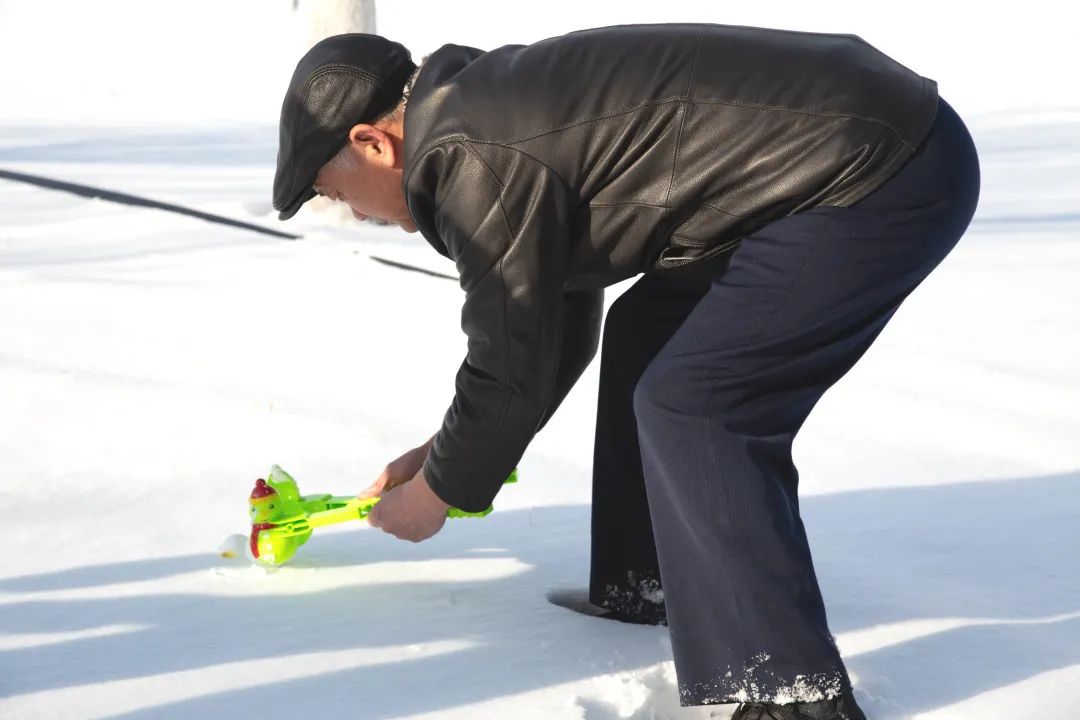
(295, 205)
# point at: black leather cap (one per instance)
(341, 81)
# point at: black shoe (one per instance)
(578, 601)
(837, 708)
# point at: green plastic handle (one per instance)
(456, 513)
(283, 519)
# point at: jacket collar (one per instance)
(422, 128)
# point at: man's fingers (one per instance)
(376, 487)
(391, 484)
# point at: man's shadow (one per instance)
(1002, 552)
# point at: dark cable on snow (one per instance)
(126, 199)
(403, 266)
(88, 191)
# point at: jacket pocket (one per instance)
(683, 251)
(706, 233)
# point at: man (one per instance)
(781, 194)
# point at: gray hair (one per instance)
(396, 114)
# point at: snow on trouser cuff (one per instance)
(758, 682)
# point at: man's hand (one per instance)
(400, 470)
(411, 511)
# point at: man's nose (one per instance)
(359, 215)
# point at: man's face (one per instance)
(369, 181)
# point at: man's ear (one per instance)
(373, 143)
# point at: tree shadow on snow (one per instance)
(1002, 552)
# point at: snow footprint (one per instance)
(650, 694)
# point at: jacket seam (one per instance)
(506, 342)
(625, 111)
(629, 202)
(724, 212)
(812, 113)
(595, 118)
(708, 25)
(502, 283)
(675, 152)
(428, 150)
(468, 143)
(519, 151)
(509, 143)
(685, 111)
(512, 236)
(502, 185)
(506, 338)
(664, 207)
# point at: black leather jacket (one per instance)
(552, 170)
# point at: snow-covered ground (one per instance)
(153, 365)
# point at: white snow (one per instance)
(152, 366)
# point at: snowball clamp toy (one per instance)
(282, 519)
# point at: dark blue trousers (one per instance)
(704, 383)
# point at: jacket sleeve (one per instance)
(503, 219)
(582, 315)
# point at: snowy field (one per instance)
(153, 365)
